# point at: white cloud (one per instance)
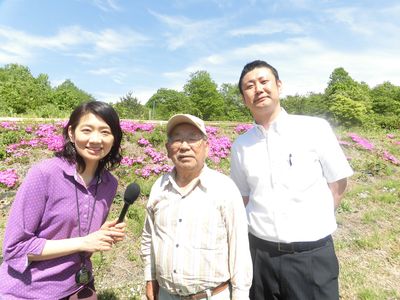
(113, 74)
(64, 38)
(106, 97)
(111, 40)
(71, 40)
(350, 17)
(267, 27)
(107, 5)
(143, 96)
(371, 23)
(13, 53)
(102, 71)
(187, 32)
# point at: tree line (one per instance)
(344, 102)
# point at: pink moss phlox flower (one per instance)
(12, 148)
(390, 135)
(167, 168)
(215, 159)
(54, 142)
(8, 177)
(9, 125)
(29, 129)
(144, 172)
(143, 142)
(397, 143)
(20, 153)
(138, 160)
(132, 127)
(34, 142)
(154, 154)
(62, 124)
(219, 147)
(389, 157)
(344, 143)
(127, 161)
(242, 128)
(46, 130)
(146, 127)
(157, 169)
(364, 143)
(211, 131)
(150, 170)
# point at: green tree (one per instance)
(314, 104)
(129, 107)
(294, 104)
(347, 111)
(202, 91)
(386, 105)
(343, 91)
(67, 96)
(234, 108)
(20, 92)
(166, 102)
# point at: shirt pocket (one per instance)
(209, 230)
(300, 171)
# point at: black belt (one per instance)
(287, 247)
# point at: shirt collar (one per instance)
(204, 180)
(70, 170)
(278, 125)
(68, 167)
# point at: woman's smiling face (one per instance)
(92, 137)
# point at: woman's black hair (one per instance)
(107, 113)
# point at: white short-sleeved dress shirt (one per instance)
(285, 172)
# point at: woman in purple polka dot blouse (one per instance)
(58, 218)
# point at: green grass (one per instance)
(377, 294)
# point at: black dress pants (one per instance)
(295, 271)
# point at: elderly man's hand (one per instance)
(152, 289)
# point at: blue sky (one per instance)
(111, 47)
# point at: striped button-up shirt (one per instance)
(197, 239)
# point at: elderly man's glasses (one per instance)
(192, 140)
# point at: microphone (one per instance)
(131, 194)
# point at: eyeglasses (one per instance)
(193, 140)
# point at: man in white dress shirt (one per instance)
(292, 175)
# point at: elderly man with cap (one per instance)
(194, 241)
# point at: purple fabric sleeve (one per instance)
(25, 215)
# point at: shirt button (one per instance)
(180, 220)
(175, 271)
(177, 245)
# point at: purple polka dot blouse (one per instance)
(45, 209)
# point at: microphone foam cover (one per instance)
(131, 193)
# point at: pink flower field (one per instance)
(142, 157)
